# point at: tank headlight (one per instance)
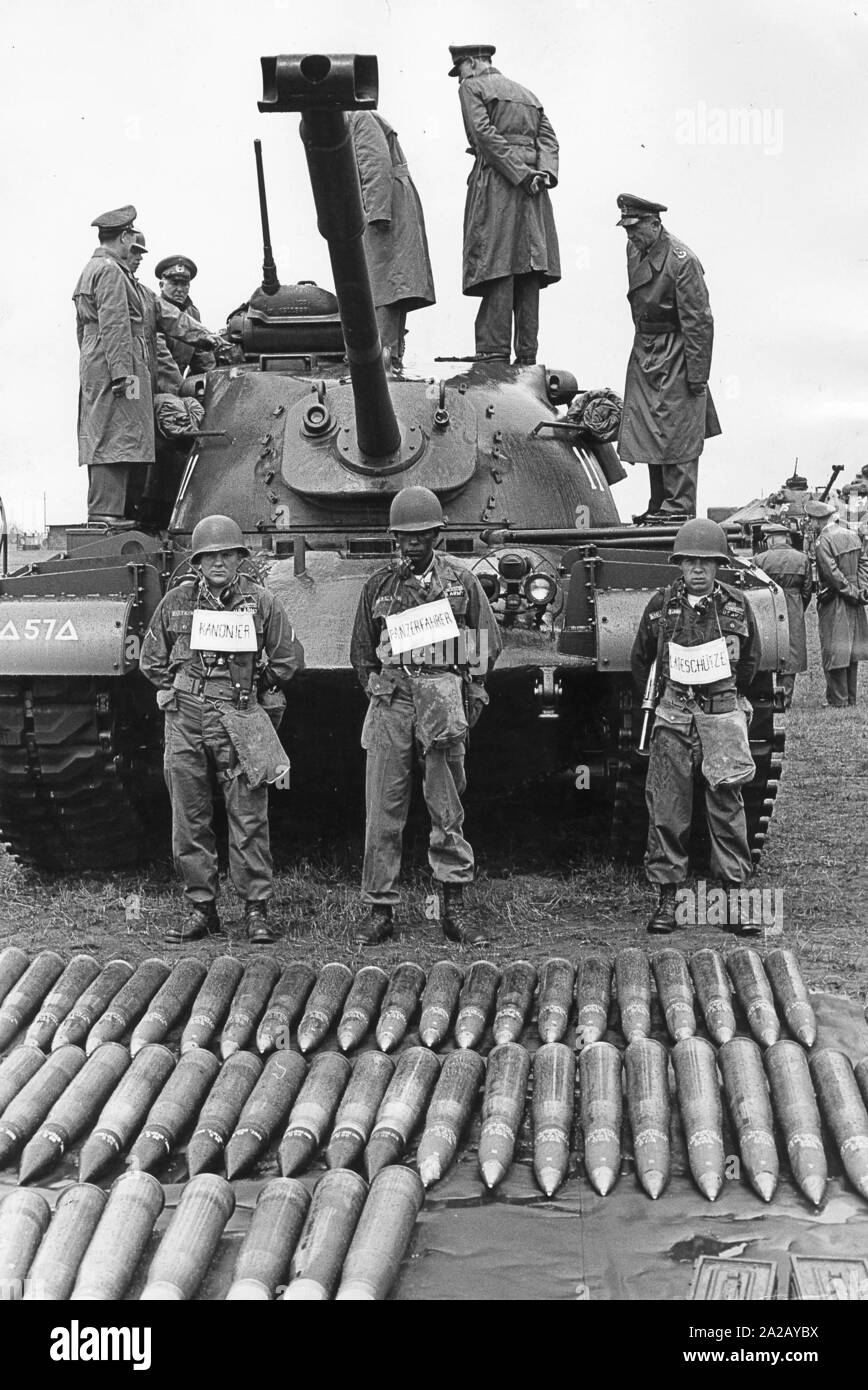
(490, 584)
(540, 589)
(513, 567)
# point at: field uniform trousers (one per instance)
(392, 323)
(388, 737)
(197, 748)
(673, 487)
(842, 685)
(501, 298)
(114, 489)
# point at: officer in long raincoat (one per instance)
(791, 569)
(668, 411)
(510, 242)
(174, 274)
(395, 242)
(842, 593)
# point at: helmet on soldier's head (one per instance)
(214, 533)
(415, 509)
(701, 537)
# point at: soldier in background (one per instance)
(842, 592)
(174, 274)
(510, 242)
(165, 375)
(395, 242)
(791, 569)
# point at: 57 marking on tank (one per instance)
(34, 629)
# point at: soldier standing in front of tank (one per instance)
(510, 242)
(428, 698)
(842, 592)
(175, 274)
(195, 689)
(705, 642)
(395, 242)
(668, 411)
(791, 569)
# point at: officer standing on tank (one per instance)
(668, 411)
(842, 592)
(703, 636)
(425, 697)
(791, 569)
(175, 274)
(196, 688)
(510, 241)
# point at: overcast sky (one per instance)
(748, 119)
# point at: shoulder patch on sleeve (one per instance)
(680, 253)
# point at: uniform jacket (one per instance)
(791, 569)
(506, 230)
(186, 354)
(725, 613)
(397, 255)
(842, 570)
(165, 376)
(662, 421)
(166, 649)
(390, 591)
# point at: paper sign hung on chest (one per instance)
(222, 632)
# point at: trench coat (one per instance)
(842, 571)
(662, 421)
(397, 255)
(506, 230)
(187, 354)
(791, 569)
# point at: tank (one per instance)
(307, 437)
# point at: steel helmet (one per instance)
(217, 533)
(415, 509)
(701, 537)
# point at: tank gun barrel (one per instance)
(323, 88)
(270, 280)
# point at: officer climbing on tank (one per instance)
(217, 644)
(703, 638)
(423, 643)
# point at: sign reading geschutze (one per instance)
(699, 665)
(222, 632)
(418, 627)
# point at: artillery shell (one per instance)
(95, 1000)
(124, 1111)
(169, 1004)
(514, 999)
(186, 1250)
(24, 1218)
(796, 1109)
(399, 1004)
(402, 1108)
(284, 1006)
(675, 991)
(381, 1238)
(120, 1239)
(860, 1071)
(361, 1007)
(248, 1005)
(13, 963)
(263, 1260)
(211, 1004)
(175, 1108)
(754, 993)
(315, 1267)
(26, 995)
(357, 1111)
(556, 982)
(747, 1094)
(221, 1111)
(633, 983)
(647, 1070)
(324, 1005)
(128, 1004)
(266, 1110)
(554, 1082)
(79, 973)
(789, 990)
(714, 993)
(76, 1216)
(16, 1070)
(26, 1111)
(75, 1109)
(476, 1002)
(844, 1111)
(593, 997)
(449, 1113)
(600, 1092)
(701, 1112)
(502, 1109)
(313, 1111)
(439, 1001)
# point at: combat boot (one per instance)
(738, 922)
(202, 920)
(379, 927)
(259, 930)
(456, 926)
(663, 920)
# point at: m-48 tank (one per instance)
(305, 443)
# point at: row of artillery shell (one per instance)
(90, 1247)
